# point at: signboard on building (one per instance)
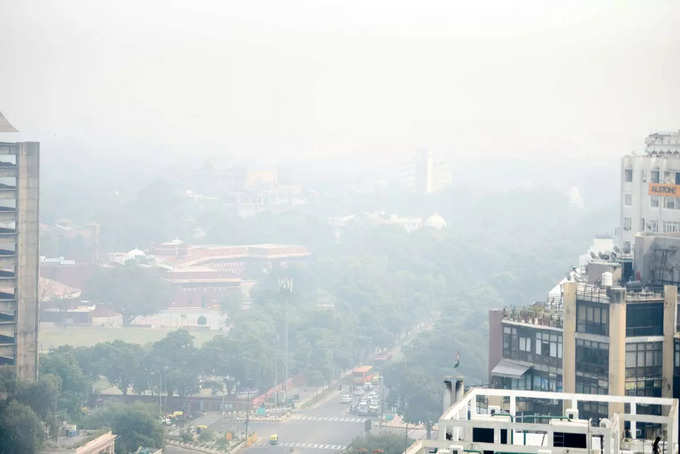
(666, 190)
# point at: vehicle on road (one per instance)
(345, 399)
(274, 439)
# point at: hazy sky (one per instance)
(316, 77)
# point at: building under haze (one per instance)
(612, 331)
(19, 260)
(431, 175)
(650, 188)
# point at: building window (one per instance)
(628, 175)
(677, 177)
(644, 319)
(592, 318)
(525, 344)
(668, 177)
(549, 345)
(654, 201)
(669, 202)
(627, 224)
(627, 199)
(652, 225)
(654, 176)
(671, 227)
(644, 368)
(592, 358)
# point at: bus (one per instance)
(362, 374)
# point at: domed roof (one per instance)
(135, 253)
(436, 222)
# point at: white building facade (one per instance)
(650, 189)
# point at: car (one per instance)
(345, 399)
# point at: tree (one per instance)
(8, 379)
(130, 289)
(20, 429)
(75, 386)
(40, 396)
(417, 395)
(136, 425)
(119, 362)
(386, 443)
(176, 358)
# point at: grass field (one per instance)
(83, 336)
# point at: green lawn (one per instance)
(84, 336)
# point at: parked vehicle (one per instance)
(345, 399)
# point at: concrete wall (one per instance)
(28, 262)
(568, 338)
(495, 339)
(670, 304)
(617, 346)
(647, 257)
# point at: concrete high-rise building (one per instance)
(431, 176)
(19, 256)
(650, 188)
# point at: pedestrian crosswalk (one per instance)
(328, 418)
(295, 444)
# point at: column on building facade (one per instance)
(568, 338)
(617, 346)
(495, 339)
(670, 302)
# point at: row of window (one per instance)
(529, 345)
(592, 318)
(671, 203)
(586, 385)
(644, 319)
(650, 387)
(652, 225)
(644, 359)
(669, 176)
(592, 358)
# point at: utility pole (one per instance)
(247, 414)
(286, 286)
(405, 437)
(382, 400)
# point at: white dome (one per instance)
(135, 253)
(436, 222)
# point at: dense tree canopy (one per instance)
(135, 425)
(130, 289)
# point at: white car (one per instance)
(345, 399)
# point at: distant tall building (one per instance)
(650, 188)
(19, 259)
(431, 176)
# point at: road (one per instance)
(324, 429)
(327, 428)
